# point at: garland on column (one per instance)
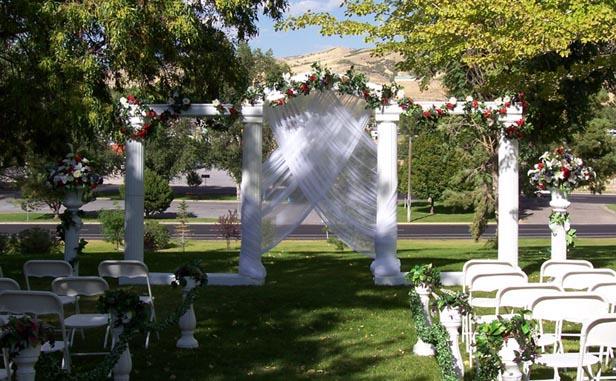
(562, 219)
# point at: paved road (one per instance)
(427, 231)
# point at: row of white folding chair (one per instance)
(552, 271)
(48, 268)
(600, 332)
(573, 307)
(585, 280)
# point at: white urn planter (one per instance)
(25, 361)
(72, 201)
(452, 321)
(559, 204)
(122, 368)
(188, 321)
(422, 348)
(507, 354)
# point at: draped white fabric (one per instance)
(325, 161)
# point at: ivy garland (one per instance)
(49, 368)
(562, 219)
(66, 221)
(434, 334)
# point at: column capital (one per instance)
(388, 114)
(252, 114)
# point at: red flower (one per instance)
(566, 172)
(541, 186)
(233, 111)
(304, 88)
(427, 114)
(280, 101)
(507, 104)
(146, 127)
(132, 100)
(475, 103)
(521, 122)
(487, 113)
(366, 94)
(450, 106)
(560, 150)
(151, 114)
(385, 101)
(313, 77)
(77, 158)
(290, 92)
(440, 112)
(540, 166)
(503, 111)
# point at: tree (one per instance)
(157, 193)
(182, 228)
(34, 190)
(193, 179)
(229, 226)
(112, 223)
(61, 60)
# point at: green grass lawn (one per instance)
(612, 207)
(89, 217)
(420, 212)
(318, 316)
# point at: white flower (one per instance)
(274, 95)
(469, 98)
(216, 103)
(286, 77)
(507, 99)
(77, 174)
(499, 101)
(123, 102)
(453, 100)
(400, 94)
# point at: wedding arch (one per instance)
(325, 162)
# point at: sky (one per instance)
(303, 41)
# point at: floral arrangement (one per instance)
(73, 172)
(22, 332)
(424, 276)
(129, 310)
(560, 169)
(130, 107)
(192, 269)
(489, 341)
(457, 301)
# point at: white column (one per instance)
(252, 143)
(508, 200)
(559, 204)
(133, 202)
(422, 348)
(386, 265)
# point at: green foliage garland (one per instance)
(562, 219)
(434, 334)
(424, 276)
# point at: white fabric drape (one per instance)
(325, 161)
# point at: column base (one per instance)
(233, 279)
(390, 280)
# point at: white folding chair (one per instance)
(555, 269)
(608, 291)
(39, 303)
(600, 332)
(130, 269)
(480, 266)
(489, 283)
(574, 307)
(583, 280)
(86, 286)
(10, 285)
(55, 268)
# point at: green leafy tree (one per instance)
(193, 179)
(157, 193)
(112, 223)
(182, 228)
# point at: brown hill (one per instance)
(379, 70)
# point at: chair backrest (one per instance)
(583, 280)
(79, 286)
(576, 307)
(483, 266)
(607, 290)
(600, 332)
(9, 284)
(557, 268)
(524, 295)
(46, 268)
(496, 281)
(125, 268)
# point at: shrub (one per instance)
(193, 179)
(158, 194)
(36, 241)
(155, 236)
(229, 226)
(112, 222)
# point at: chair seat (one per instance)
(65, 299)
(146, 299)
(86, 320)
(566, 360)
(58, 346)
(483, 302)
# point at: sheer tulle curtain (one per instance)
(324, 161)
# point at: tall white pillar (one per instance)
(386, 265)
(133, 202)
(508, 200)
(252, 143)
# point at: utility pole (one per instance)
(408, 188)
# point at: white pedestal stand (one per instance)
(122, 368)
(512, 369)
(452, 321)
(559, 204)
(25, 361)
(421, 348)
(72, 201)
(188, 321)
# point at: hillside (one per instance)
(378, 69)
